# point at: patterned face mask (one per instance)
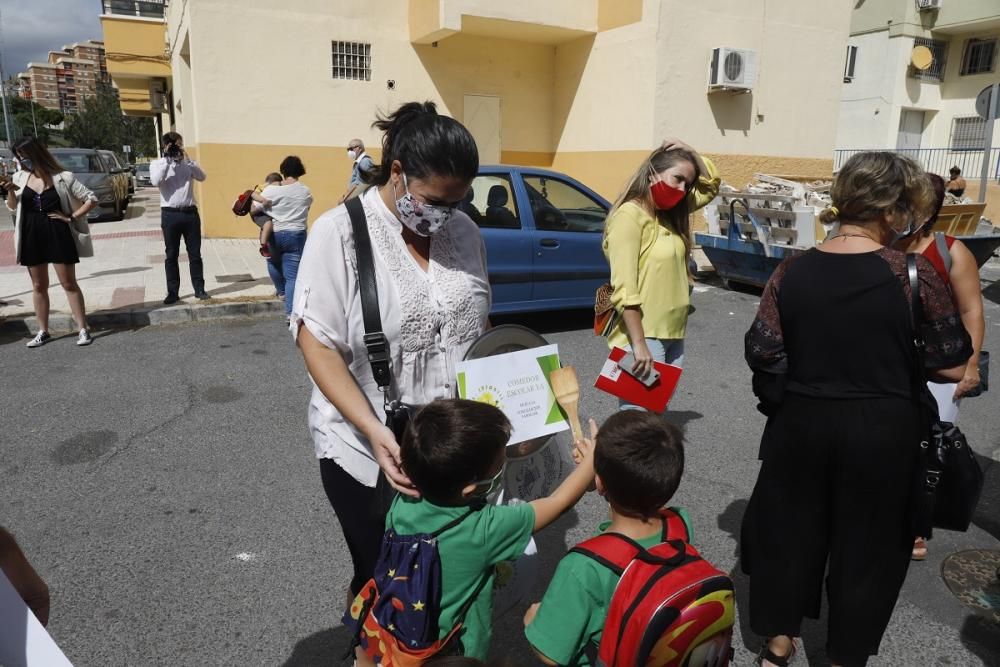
(420, 218)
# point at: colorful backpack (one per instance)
(395, 616)
(244, 202)
(670, 608)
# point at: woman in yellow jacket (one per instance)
(647, 241)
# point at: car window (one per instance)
(112, 160)
(81, 163)
(142, 168)
(560, 207)
(490, 202)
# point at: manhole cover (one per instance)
(974, 578)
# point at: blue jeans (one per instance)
(283, 265)
(666, 350)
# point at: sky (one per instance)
(31, 29)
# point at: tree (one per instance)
(101, 124)
(23, 123)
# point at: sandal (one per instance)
(767, 658)
(919, 549)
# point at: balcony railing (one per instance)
(152, 9)
(935, 160)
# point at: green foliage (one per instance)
(101, 124)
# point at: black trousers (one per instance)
(833, 497)
(176, 224)
(361, 512)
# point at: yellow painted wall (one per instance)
(134, 47)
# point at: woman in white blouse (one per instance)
(434, 299)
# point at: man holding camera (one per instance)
(173, 174)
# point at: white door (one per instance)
(911, 127)
(482, 118)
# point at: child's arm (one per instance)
(529, 616)
(573, 487)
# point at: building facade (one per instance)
(895, 97)
(587, 87)
(69, 77)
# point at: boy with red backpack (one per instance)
(432, 591)
(638, 593)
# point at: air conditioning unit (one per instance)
(158, 102)
(928, 5)
(732, 69)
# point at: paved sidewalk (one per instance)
(124, 283)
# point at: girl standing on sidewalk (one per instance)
(50, 227)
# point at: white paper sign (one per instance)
(518, 384)
(23, 640)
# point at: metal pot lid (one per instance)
(501, 340)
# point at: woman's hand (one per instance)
(386, 451)
(673, 143)
(643, 359)
(62, 217)
(968, 383)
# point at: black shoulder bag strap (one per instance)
(376, 343)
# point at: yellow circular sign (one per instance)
(922, 57)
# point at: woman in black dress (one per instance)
(50, 228)
(831, 350)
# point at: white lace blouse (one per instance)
(430, 318)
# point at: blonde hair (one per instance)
(637, 190)
(875, 182)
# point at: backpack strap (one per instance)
(375, 340)
(941, 241)
(454, 522)
(612, 550)
(674, 526)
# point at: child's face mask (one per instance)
(491, 484)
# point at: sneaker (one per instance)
(84, 338)
(171, 299)
(41, 338)
(202, 295)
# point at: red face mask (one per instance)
(664, 196)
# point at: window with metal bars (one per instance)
(967, 133)
(936, 71)
(979, 56)
(352, 60)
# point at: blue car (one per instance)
(543, 233)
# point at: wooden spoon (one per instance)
(566, 388)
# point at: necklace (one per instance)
(860, 236)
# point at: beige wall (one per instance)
(589, 90)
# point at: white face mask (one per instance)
(352, 155)
(420, 218)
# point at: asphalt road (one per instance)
(163, 483)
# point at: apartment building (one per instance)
(586, 87)
(70, 76)
(912, 73)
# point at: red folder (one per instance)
(617, 382)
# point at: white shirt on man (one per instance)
(289, 210)
(173, 178)
(430, 317)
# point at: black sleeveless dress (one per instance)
(44, 240)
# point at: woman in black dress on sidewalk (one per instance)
(50, 228)
(831, 350)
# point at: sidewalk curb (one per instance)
(134, 318)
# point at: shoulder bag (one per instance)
(949, 479)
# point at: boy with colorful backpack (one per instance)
(432, 591)
(638, 593)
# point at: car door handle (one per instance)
(549, 243)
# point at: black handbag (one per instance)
(397, 413)
(949, 479)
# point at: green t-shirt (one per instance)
(575, 604)
(468, 552)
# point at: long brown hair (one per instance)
(42, 160)
(637, 190)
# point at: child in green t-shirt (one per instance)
(639, 459)
(454, 452)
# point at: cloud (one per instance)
(32, 29)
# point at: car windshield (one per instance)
(80, 163)
(142, 168)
